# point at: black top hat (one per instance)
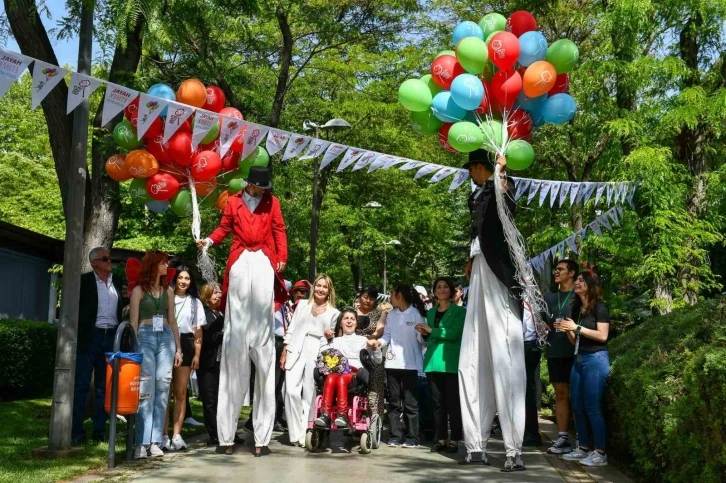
(260, 176)
(480, 156)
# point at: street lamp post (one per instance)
(385, 273)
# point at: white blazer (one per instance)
(303, 324)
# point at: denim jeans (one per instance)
(92, 360)
(587, 384)
(158, 349)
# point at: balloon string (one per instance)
(205, 262)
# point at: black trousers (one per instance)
(402, 389)
(208, 379)
(447, 409)
(532, 358)
(279, 382)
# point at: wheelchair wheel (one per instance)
(375, 430)
(313, 440)
(366, 442)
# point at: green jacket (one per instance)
(444, 343)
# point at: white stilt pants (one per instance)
(248, 335)
(492, 377)
(300, 390)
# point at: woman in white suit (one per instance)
(310, 328)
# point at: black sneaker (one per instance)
(561, 446)
(342, 421)
(323, 421)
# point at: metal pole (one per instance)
(385, 274)
(314, 223)
(114, 397)
(61, 415)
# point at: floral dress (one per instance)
(376, 385)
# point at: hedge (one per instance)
(27, 358)
(666, 398)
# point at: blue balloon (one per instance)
(530, 104)
(559, 109)
(163, 91)
(467, 29)
(532, 47)
(157, 206)
(445, 109)
(537, 119)
(467, 91)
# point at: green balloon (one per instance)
(465, 136)
(489, 37)
(415, 95)
(488, 72)
(124, 135)
(236, 185)
(563, 55)
(492, 132)
(492, 22)
(137, 190)
(445, 52)
(472, 54)
(425, 122)
(261, 157)
(520, 155)
(433, 86)
(181, 203)
(210, 201)
(244, 166)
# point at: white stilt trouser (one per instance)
(248, 335)
(492, 377)
(300, 390)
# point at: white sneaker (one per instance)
(140, 453)
(575, 455)
(193, 422)
(595, 459)
(155, 451)
(561, 446)
(166, 443)
(177, 443)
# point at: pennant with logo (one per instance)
(411, 165)
(554, 191)
(521, 188)
(253, 136)
(571, 243)
(231, 128)
(176, 116)
(315, 148)
(574, 188)
(460, 178)
(351, 156)
(617, 192)
(150, 108)
(533, 188)
(603, 220)
(564, 191)
(295, 146)
(589, 190)
(115, 100)
(276, 140)
(380, 161)
(600, 189)
(594, 226)
(441, 174)
(614, 216)
(11, 66)
(426, 169)
(609, 193)
(394, 162)
(365, 160)
(45, 78)
(631, 194)
(624, 193)
(544, 191)
(79, 89)
(333, 151)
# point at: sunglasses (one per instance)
(103, 259)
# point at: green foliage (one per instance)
(28, 360)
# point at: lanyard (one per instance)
(177, 312)
(560, 305)
(157, 302)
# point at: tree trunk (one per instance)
(664, 298)
(285, 62)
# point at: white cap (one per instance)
(421, 290)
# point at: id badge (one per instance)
(158, 321)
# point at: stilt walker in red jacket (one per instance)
(252, 288)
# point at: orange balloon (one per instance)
(142, 164)
(222, 200)
(539, 78)
(117, 169)
(205, 188)
(192, 92)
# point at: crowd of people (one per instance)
(257, 338)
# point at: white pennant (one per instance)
(522, 186)
(315, 148)
(365, 160)
(333, 151)
(533, 188)
(614, 216)
(11, 66)
(617, 191)
(150, 108)
(603, 220)
(253, 136)
(600, 189)
(176, 116)
(631, 194)
(79, 89)
(394, 162)
(231, 128)
(276, 140)
(609, 193)
(441, 174)
(583, 233)
(571, 243)
(411, 165)
(624, 193)
(560, 250)
(45, 78)
(461, 176)
(564, 191)
(589, 189)
(554, 191)
(544, 191)
(114, 101)
(574, 188)
(351, 156)
(295, 146)
(380, 161)
(429, 168)
(594, 226)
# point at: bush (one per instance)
(666, 398)
(27, 358)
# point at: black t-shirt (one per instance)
(599, 313)
(437, 318)
(559, 304)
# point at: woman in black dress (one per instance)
(208, 371)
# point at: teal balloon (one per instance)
(465, 136)
(520, 155)
(414, 95)
(472, 54)
(559, 109)
(563, 55)
(236, 185)
(491, 23)
(137, 191)
(157, 206)
(492, 132)
(125, 137)
(181, 203)
(446, 109)
(163, 91)
(466, 29)
(425, 122)
(433, 86)
(532, 47)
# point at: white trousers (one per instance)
(248, 335)
(300, 390)
(492, 377)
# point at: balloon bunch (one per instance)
(161, 171)
(501, 81)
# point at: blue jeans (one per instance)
(587, 384)
(92, 360)
(158, 349)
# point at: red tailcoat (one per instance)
(263, 229)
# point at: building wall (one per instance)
(25, 286)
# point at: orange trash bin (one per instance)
(129, 378)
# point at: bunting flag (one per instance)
(427, 169)
(614, 216)
(276, 141)
(380, 162)
(204, 121)
(253, 136)
(564, 191)
(461, 176)
(351, 156)
(79, 89)
(441, 174)
(11, 66)
(533, 188)
(333, 151)
(600, 189)
(176, 115)
(45, 78)
(394, 162)
(554, 191)
(522, 186)
(544, 191)
(571, 244)
(609, 193)
(315, 148)
(231, 128)
(595, 226)
(365, 160)
(589, 189)
(295, 146)
(603, 220)
(411, 165)
(149, 109)
(631, 194)
(574, 188)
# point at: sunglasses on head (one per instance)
(103, 259)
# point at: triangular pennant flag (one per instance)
(603, 220)
(351, 156)
(533, 188)
(575, 187)
(564, 191)
(631, 194)
(441, 174)
(521, 188)
(380, 161)
(176, 116)
(571, 243)
(150, 108)
(614, 216)
(461, 176)
(544, 191)
(276, 140)
(315, 148)
(609, 193)
(253, 136)
(46, 77)
(600, 189)
(394, 162)
(333, 151)
(620, 212)
(617, 191)
(79, 89)
(589, 189)
(554, 191)
(594, 226)
(560, 250)
(231, 128)
(624, 194)
(429, 168)
(535, 262)
(411, 165)
(365, 160)
(11, 66)
(115, 100)
(295, 146)
(551, 253)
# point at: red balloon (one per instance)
(186, 127)
(562, 84)
(180, 147)
(444, 137)
(206, 165)
(180, 173)
(215, 99)
(232, 112)
(158, 148)
(519, 124)
(155, 129)
(239, 142)
(213, 146)
(162, 186)
(504, 50)
(444, 70)
(485, 105)
(506, 85)
(520, 22)
(230, 161)
(132, 109)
